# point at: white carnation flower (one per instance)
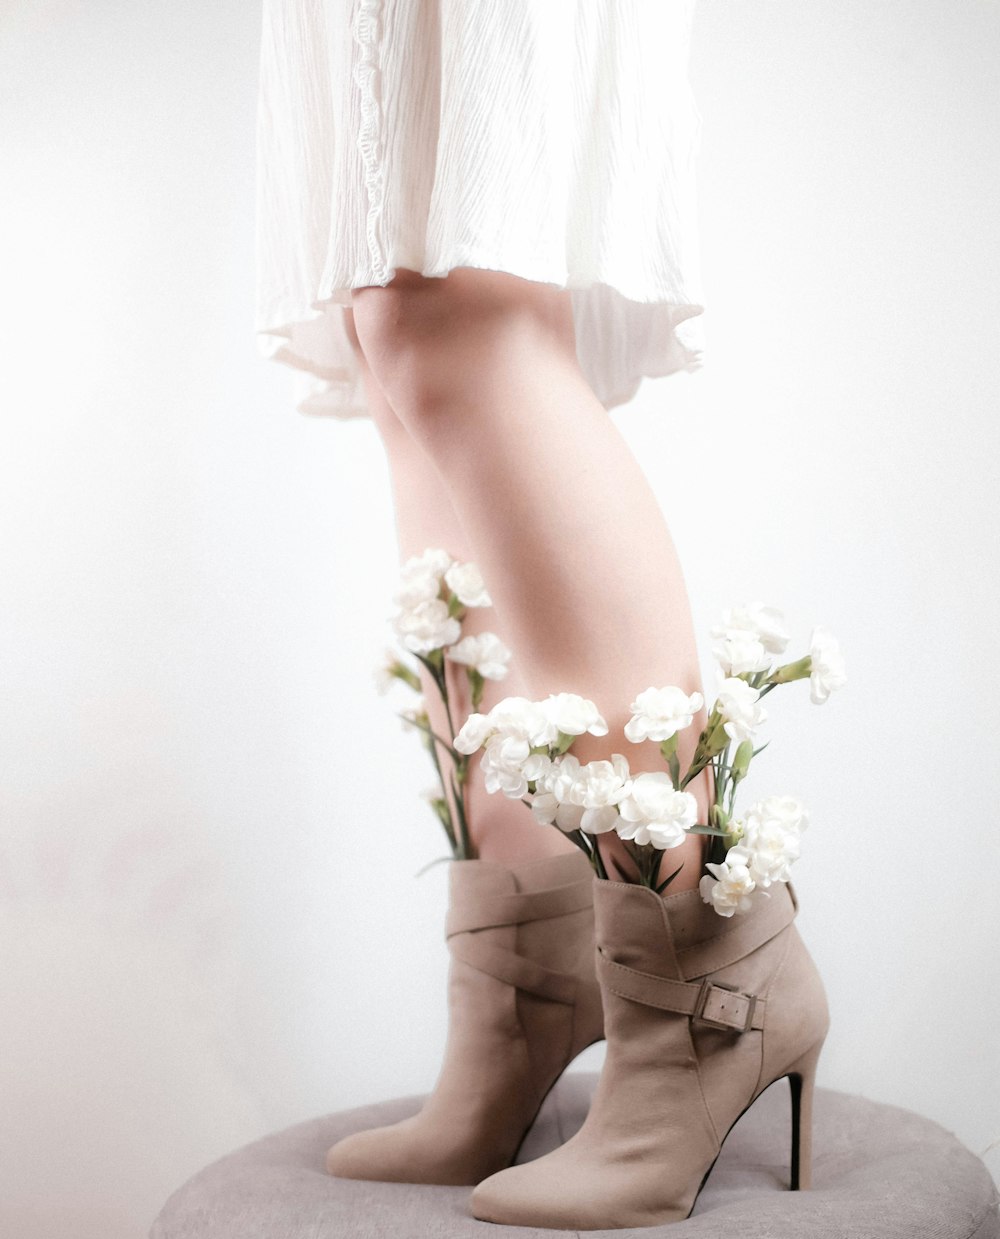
(740, 653)
(420, 579)
(771, 836)
(503, 765)
(739, 705)
(536, 767)
(728, 887)
(565, 780)
(415, 591)
(573, 715)
(433, 561)
(509, 765)
(474, 733)
(788, 812)
(427, 627)
(516, 727)
(655, 812)
(579, 797)
(521, 717)
(766, 624)
(550, 812)
(543, 807)
(603, 784)
(828, 667)
(485, 652)
(600, 820)
(466, 582)
(659, 713)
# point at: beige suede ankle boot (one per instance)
(523, 1001)
(702, 1013)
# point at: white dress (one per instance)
(552, 139)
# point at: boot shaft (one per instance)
(736, 1000)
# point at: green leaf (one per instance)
(666, 881)
(620, 871)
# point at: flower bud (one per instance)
(741, 760)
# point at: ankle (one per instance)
(687, 860)
(516, 843)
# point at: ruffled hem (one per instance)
(313, 341)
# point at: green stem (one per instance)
(443, 690)
(696, 768)
(468, 852)
(461, 787)
(427, 730)
(597, 860)
(449, 831)
(462, 844)
(722, 786)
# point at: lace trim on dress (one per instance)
(370, 137)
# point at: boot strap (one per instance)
(710, 1002)
(513, 969)
(469, 912)
(467, 916)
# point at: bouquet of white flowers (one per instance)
(527, 745)
(527, 754)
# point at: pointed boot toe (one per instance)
(573, 1188)
(519, 1196)
(400, 1153)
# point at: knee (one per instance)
(430, 340)
(399, 328)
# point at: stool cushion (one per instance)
(878, 1173)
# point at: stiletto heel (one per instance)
(802, 1082)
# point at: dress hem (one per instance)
(335, 391)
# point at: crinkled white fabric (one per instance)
(552, 139)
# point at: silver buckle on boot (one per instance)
(737, 1021)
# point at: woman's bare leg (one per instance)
(502, 830)
(480, 368)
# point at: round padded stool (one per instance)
(878, 1173)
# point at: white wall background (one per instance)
(195, 765)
